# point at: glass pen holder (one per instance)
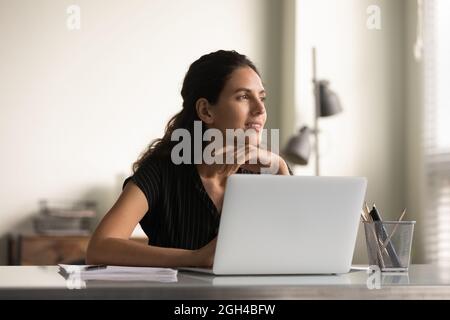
(389, 244)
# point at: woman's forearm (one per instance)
(283, 168)
(115, 251)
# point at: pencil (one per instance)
(366, 207)
(363, 217)
(393, 231)
(366, 213)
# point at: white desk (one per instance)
(421, 282)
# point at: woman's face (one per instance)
(241, 103)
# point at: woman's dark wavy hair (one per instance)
(205, 78)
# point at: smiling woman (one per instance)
(179, 205)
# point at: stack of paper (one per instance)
(119, 273)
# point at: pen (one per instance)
(375, 215)
(95, 267)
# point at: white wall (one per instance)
(415, 169)
(366, 70)
(77, 107)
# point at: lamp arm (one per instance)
(316, 112)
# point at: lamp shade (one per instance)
(298, 148)
(329, 103)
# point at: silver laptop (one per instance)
(287, 225)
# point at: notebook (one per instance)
(118, 273)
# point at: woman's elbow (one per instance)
(93, 252)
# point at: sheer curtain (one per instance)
(436, 27)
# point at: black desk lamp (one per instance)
(327, 103)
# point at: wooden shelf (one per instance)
(37, 250)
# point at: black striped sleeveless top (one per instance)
(181, 214)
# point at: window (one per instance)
(437, 130)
